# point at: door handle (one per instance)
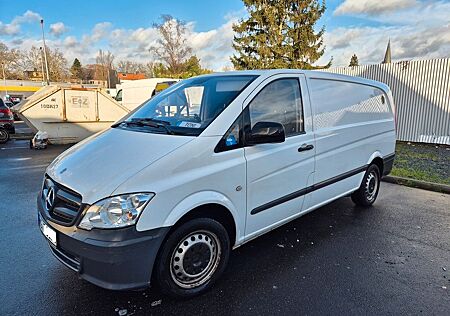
(305, 147)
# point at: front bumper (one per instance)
(115, 259)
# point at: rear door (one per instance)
(278, 174)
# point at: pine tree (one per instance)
(76, 69)
(279, 34)
(354, 61)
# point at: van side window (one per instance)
(340, 103)
(279, 102)
(232, 138)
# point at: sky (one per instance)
(416, 28)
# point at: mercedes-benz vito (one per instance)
(208, 164)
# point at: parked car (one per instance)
(6, 122)
(10, 105)
(166, 193)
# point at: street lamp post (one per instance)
(109, 83)
(42, 65)
(45, 52)
(4, 79)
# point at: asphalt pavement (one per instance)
(22, 129)
(393, 258)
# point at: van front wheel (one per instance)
(193, 258)
(368, 191)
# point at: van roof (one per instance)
(309, 73)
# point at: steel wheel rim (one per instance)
(371, 187)
(195, 259)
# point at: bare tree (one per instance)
(105, 62)
(148, 69)
(18, 61)
(57, 62)
(13, 62)
(172, 48)
(58, 65)
(128, 66)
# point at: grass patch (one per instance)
(422, 162)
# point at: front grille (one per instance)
(61, 204)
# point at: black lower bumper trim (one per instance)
(388, 163)
(69, 261)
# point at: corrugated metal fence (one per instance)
(421, 91)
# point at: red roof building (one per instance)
(124, 76)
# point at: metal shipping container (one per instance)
(69, 114)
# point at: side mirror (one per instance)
(265, 133)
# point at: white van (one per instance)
(133, 93)
(165, 194)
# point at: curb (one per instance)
(430, 186)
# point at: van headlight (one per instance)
(115, 212)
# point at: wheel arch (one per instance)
(377, 159)
(213, 211)
(208, 205)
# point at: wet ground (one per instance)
(22, 128)
(393, 258)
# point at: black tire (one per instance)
(4, 136)
(178, 260)
(370, 186)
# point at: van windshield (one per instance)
(187, 107)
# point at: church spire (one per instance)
(387, 55)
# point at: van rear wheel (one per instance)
(370, 185)
(192, 258)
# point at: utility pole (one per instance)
(109, 83)
(4, 79)
(45, 52)
(42, 65)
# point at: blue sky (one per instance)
(363, 27)
(208, 14)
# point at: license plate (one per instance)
(48, 232)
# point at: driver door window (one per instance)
(279, 102)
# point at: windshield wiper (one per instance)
(149, 119)
(151, 123)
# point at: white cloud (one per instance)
(417, 31)
(57, 29)
(100, 31)
(369, 43)
(420, 31)
(28, 17)
(372, 7)
(9, 29)
(13, 28)
(213, 47)
(70, 42)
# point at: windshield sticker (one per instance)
(189, 124)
